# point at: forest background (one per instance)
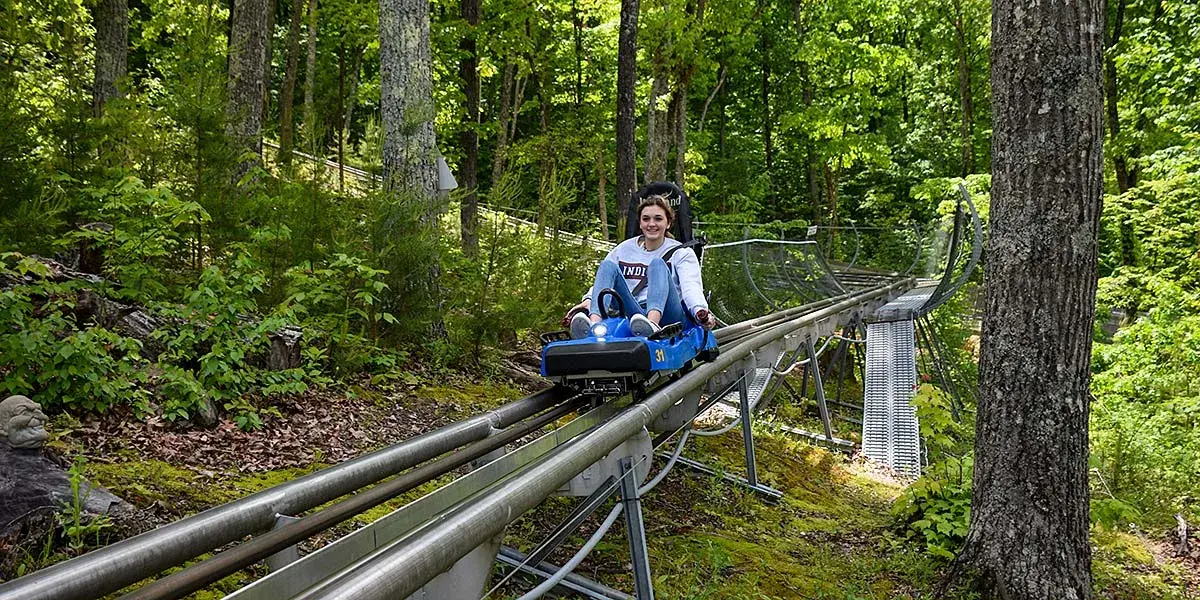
(779, 114)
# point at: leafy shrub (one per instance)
(936, 508)
(216, 348)
(340, 305)
(152, 231)
(1146, 415)
(48, 355)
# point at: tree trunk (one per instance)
(967, 129)
(1029, 514)
(468, 70)
(287, 93)
(310, 77)
(1111, 102)
(658, 131)
(680, 131)
(112, 50)
(407, 110)
(603, 203)
(506, 90)
(352, 95)
(247, 57)
(267, 56)
(626, 80)
(768, 149)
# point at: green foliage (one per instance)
(48, 355)
(152, 236)
(339, 305)
(936, 508)
(218, 348)
(1146, 415)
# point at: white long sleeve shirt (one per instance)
(635, 265)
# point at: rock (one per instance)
(206, 414)
(23, 422)
(31, 484)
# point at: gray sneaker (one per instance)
(640, 326)
(581, 326)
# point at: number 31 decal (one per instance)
(659, 355)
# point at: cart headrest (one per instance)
(681, 229)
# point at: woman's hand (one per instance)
(706, 318)
(582, 306)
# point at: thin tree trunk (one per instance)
(1112, 98)
(310, 77)
(267, 57)
(768, 148)
(247, 56)
(341, 142)
(287, 93)
(112, 51)
(603, 202)
(722, 72)
(626, 80)
(680, 131)
(468, 70)
(1029, 513)
(352, 95)
(967, 129)
(506, 89)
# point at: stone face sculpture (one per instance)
(23, 422)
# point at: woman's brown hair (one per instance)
(660, 201)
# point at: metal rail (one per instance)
(401, 568)
(126, 562)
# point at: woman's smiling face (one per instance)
(654, 223)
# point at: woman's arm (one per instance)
(691, 287)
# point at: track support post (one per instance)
(819, 388)
(747, 430)
(635, 530)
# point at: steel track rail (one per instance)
(402, 567)
(113, 567)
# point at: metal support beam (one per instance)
(819, 388)
(636, 532)
(568, 526)
(767, 492)
(576, 583)
(747, 431)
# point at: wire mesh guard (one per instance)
(751, 278)
(890, 433)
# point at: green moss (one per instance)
(149, 481)
(1123, 567)
(469, 398)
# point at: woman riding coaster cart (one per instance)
(656, 278)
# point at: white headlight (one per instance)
(599, 330)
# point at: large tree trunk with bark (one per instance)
(112, 51)
(626, 80)
(408, 111)
(658, 129)
(287, 92)
(468, 70)
(247, 77)
(1029, 518)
